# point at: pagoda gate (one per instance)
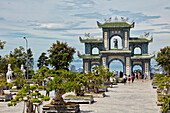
(125, 55)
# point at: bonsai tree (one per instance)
(166, 105)
(33, 100)
(94, 79)
(62, 83)
(80, 83)
(4, 83)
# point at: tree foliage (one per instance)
(60, 55)
(42, 60)
(16, 58)
(33, 97)
(2, 43)
(30, 60)
(163, 58)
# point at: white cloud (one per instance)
(52, 26)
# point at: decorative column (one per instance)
(104, 61)
(147, 69)
(127, 65)
(105, 40)
(126, 44)
(86, 67)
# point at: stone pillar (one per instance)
(147, 70)
(105, 40)
(127, 65)
(104, 61)
(126, 42)
(86, 67)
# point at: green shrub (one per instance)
(10, 104)
(13, 100)
(35, 100)
(40, 87)
(46, 98)
(41, 96)
(15, 103)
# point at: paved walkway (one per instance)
(138, 97)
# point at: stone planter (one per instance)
(98, 95)
(159, 103)
(155, 86)
(69, 108)
(103, 89)
(159, 90)
(14, 92)
(79, 99)
(6, 97)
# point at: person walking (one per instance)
(124, 78)
(132, 78)
(128, 79)
(145, 76)
(111, 81)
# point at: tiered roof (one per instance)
(89, 56)
(139, 40)
(137, 57)
(115, 25)
(91, 40)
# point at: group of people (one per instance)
(128, 78)
(138, 76)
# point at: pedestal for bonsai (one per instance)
(98, 95)
(103, 89)
(68, 108)
(79, 99)
(6, 97)
(14, 92)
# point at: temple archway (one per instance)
(119, 42)
(116, 65)
(137, 68)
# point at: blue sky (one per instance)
(45, 21)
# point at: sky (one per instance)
(43, 22)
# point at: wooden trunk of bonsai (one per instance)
(58, 99)
(1, 90)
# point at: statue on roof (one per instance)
(116, 19)
(109, 20)
(146, 34)
(115, 44)
(87, 35)
(123, 19)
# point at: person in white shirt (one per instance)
(111, 81)
(125, 78)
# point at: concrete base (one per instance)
(69, 108)
(98, 95)
(6, 97)
(103, 89)
(79, 99)
(159, 103)
(155, 86)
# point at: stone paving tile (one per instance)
(138, 97)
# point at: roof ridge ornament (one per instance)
(108, 20)
(116, 19)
